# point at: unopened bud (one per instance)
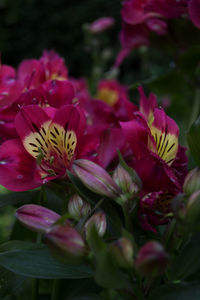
(122, 251)
(152, 259)
(99, 221)
(36, 217)
(101, 24)
(125, 182)
(192, 182)
(78, 208)
(66, 242)
(95, 178)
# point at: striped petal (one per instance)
(32, 125)
(165, 133)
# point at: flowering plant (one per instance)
(105, 206)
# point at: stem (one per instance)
(126, 217)
(55, 289)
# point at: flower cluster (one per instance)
(51, 125)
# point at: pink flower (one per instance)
(32, 72)
(50, 140)
(101, 24)
(116, 97)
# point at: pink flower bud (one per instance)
(192, 181)
(78, 208)
(99, 220)
(101, 24)
(125, 182)
(122, 251)
(152, 259)
(66, 242)
(36, 217)
(95, 178)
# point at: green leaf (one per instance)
(193, 139)
(187, 262)
(183, 291)
(12, 198)
(33, 260)
(10, 283)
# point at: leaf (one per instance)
(183, 291)
(33, 260)
(12, 198)
(10, 283)
(193, 139)
(187, 262)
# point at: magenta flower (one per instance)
(116, 96)
(101, 24)
(32, 72)
(50, 141)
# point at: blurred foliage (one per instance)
(27, 27)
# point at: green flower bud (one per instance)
(122, 251)
(78, 208)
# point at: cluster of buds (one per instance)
(187, 205)
(64, 239)
(120, 187)
(78, 208)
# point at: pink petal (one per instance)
(18, 170)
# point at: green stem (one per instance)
(126, 217)
(55, 289)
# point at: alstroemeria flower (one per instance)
(116, 97)
(50, 66)
(155, 148)
(159, 161)
(51, 140)
(10, 87)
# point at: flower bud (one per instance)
(95, 178)
(122, 251)
(101, 24)
(36, 217)
(152, 259)
(66, 242)
(99, 220)
(78, 208)
(125, 182)
(192, 182)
